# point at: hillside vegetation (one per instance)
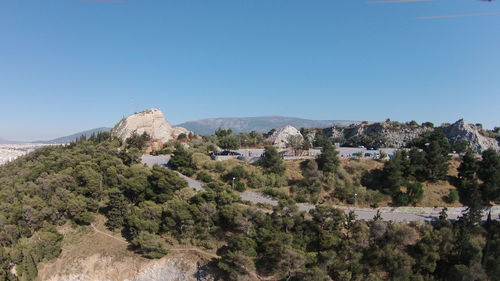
(153, 210)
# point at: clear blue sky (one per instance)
(70, 65)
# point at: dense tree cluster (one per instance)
(401, 176)
(326, 244)
(227, 140)
(480, 179)
(152, 207)
(52, 185)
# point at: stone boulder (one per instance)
(150, 121)
(282, 137)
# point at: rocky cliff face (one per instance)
(281, 137)
(105, 268)
(100, 255)
(462, 130)
(150, 121)
(377, 134)
(398, 135)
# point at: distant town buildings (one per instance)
(9, 152)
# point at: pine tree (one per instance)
(272, 162)
(469, 166)
(328, 160)
(393, 176)
(117, 209)
(181, 158)
(489, 173)
(418, 164)
(29, 270)
(437, 161)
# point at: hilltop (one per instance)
(261, 124)
(398, 135)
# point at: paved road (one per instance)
(162, 160)
(388, 213)
(344, 152)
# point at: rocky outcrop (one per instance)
(150, 121)
(377, 134)
(462, 130)
(178, 268)
(282, 137)
(398, 135)
(174, 269)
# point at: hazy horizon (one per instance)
(78, 130)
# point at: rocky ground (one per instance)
(96, 254)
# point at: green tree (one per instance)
(489, 173)
(418, 164)
(437, 161)
(238, 260)
(136, 183)
(461, 146)
(271, 161)
(415, 192)
(393, 173)
(256, 138)
(468, 167)
(328, 160)
(116, 210)
(5, 267)
(310, 172)
(28, 268)
(181, 159)
(220, 133)
(150, 245)
(138, 141)
(229, 142)
(320, 139)
(163, 184)
(178, 218)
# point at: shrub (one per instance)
(84, 218)
(401, 199)
(204, 177)
(150, 245)
(239, 186)
(186, 171)
(452, 196)
(238, 172)
(276, 193)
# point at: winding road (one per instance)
(399, 214)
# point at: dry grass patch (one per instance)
(293, 171)
(434, 193)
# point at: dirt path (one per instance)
(109, 235)
(178, 249)
(197, 250)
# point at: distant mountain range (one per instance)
(65, 139)
(73, 137)
(4, 141)
(261, 124)
(208, 126)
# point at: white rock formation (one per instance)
(462, 130)
(281, 137)
(165, 269)
(150, 121)
(173, 269)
